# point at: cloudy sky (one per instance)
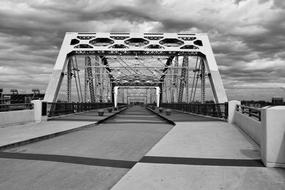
(248, 36)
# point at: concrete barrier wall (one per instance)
(273, 136)
(250, 126)
(269, 133)
(16, 117)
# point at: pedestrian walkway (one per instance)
(92, 158)
(138, 150)
(137, 114)
(203, 155)
(30, 132)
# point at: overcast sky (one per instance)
(248, 36)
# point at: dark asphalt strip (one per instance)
(202, 161)
(124, 122)
(75, 119)
(130, 164)
(70, 159)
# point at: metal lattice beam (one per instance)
(69, 77)
(183, 78)
(90, 78)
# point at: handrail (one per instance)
(209, 109)
(62, 108)
(250, 111)
(14, 107)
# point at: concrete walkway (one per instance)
(30, 132)
(203, 155)
(93, 158)
(136, 150)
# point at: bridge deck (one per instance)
(93, 158)
(138, 150)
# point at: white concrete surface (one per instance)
(157, 90)
(232, 109)
(250, 126)
(16, 117)
(181, 177)
(215, 139)
(116, 96)
(18, 133)
(37, 110)
(273, 136)
(203, 140)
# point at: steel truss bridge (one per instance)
(118, 67)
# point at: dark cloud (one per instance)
(238, 1)
(247, 35)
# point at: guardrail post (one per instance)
(39, 114)
(226, 110)
(232, 106)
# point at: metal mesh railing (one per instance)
(251, 112)
(14, 107)
(59, 108)
(214, 110)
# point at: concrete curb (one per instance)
(163, 117)
(52, 135)
(109, 117)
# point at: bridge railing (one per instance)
(214, 110)
(61, 108)
(251, 112)
(14, 107)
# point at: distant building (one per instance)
(277, 101)
(254, 103)
(14, 97)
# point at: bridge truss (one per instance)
(90, 65)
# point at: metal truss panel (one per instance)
(169, 45)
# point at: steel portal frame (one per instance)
(136, 44)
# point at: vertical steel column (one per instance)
(175, 78)
(123, 94)
(183, 78)
(172, 91)
(112, 93)
(158, 96)
(97, 91)
(69, 77)
(160, 93)
(85, 81)
(164, 86)
(78, 75)
(116, 96)
(90, 78)
(187, 82)
(203, 77)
